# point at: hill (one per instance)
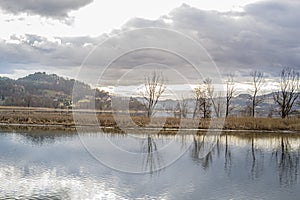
(48, 90)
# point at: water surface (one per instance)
(56, 165)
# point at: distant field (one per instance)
(29, 117)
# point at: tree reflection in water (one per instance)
(151, 161)
(285, 158)
(255, 159)
(41, 138)
(200, 155)
(286, 161)
(199, 150)
(227, 155)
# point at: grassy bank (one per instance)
(63, 119)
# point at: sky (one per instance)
(192, 39)
(78, 17)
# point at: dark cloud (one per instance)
(261, 37)
(265, 36)
(32, 50)
(47, 8)
(284, 14)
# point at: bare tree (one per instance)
(258, 82)
(216, 99)
(218, 104)
(203, 102)
(199, 95)
(210, 92)
(181, 109)
(177, 111)
(288, 92)
(155, 86)
(230, 90)
(184, 107)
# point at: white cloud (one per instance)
(47, 8)
(238, 41)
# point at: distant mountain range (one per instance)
(50, 90)
(240, 106)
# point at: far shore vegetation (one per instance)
(22, 117)
(48, 100)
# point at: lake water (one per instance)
(56, 165)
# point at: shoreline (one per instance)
(102, 129)
(60, 119)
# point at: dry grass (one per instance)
(52, 117)
(249, 123)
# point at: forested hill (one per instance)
(46, 90)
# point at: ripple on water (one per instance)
(47, 184)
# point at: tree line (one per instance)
(210, 103)
(43, 90)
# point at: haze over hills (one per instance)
(240, 106)
(50, 90)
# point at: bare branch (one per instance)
(258, 82)
(230, 90)
(202, 97)
(288, 92)
(154, 87)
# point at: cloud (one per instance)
(46, 8)
(30, 53)
(265, 37)
(283, 14)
